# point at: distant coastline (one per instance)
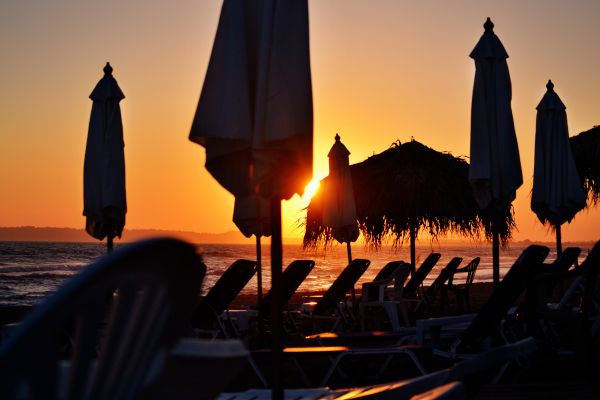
(52, 234)
(75, 235)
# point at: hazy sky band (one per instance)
(382, 70)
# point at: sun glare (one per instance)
(311, 189)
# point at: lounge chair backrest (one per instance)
(291, 278)
(445, 275)
(468, 269)
(591, 268)
(144, 292)
(487, 322)
(387, 271)
(342, 285)
(400, 276)
(410, 290)
(563, 262)
(225, 290)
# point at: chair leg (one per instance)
(404, 313)
(392, 312)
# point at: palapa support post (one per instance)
(558, 241)
(109, 242)
(349, 251)
(495, 254)
(258, 271)
(276, 265)
(261, 325)
(413, 252)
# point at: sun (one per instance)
(311, 189)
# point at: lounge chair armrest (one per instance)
(424, 325)
(379, 286)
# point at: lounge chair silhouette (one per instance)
(435, 293)
(486, 327)
(225, 290)
(388, 270)
(144, 292)
(461, 292)
(374, 293)
(424, 303)
(577, 313)
(474, 327)
(331, 303)
(291, 278)
(411, 290)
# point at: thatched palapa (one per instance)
(410, 186)
(586, 151)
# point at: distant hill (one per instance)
(43, 234)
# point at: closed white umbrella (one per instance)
(255, 116)
(339, 209)
(557, 193)
(495, 168)
(104, 200)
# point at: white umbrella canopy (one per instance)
(495, 167)
(104, 199)
(255, 116)
(251, 216)
(557, 193)
(339, 209)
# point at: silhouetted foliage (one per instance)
(411, 185)
(586, 151)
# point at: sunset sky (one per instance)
(382, 71)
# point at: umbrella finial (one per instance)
(550, 85)
(337, 137)
(488, 25)
(107, 69)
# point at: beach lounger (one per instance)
(461, 292)
(485, 329)
(571, 325)
(291, 278)
(411, 290)
(128, 308)
(332, 305)
(373, 293)
(471, 374)
(486, 326)
(218, 299)
(436, 292)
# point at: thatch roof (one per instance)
(586, 151)
(408, 185)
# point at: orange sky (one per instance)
(382, 70)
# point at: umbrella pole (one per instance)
(349, 251)
(259, 290)
(495, 255)
(276, 265)
(413, 255)
(109, 243)
(558, 241)
(258, 272)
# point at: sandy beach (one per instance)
(480, 291)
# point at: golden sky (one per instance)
(382, 71)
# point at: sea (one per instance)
(31, 271)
